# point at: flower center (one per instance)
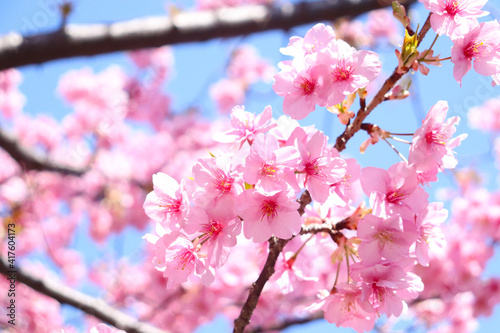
(211, 231)
(396, 195)
(222, 182)
(436, 138)
(453, 7)
(268, 169)
(313, 167)
(307, 85)
(269, 209)
(384, 236)
(170, 205)
(183, 258)
(342, 71)
(473, 49)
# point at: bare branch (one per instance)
(92, 39)
(355, 126)
(279, 326)
(90, 305)
(275, 247)
(31, 160)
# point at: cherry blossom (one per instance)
(267, 214)
(432, 145)
(481, 44)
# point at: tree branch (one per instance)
(281, 325)
(75, 40)
(275, 247)
(31, 160)
(88, 304)
(355, 126)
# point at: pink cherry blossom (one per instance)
(215, 177)
(168, 201)
(346, 308)
(246, 125)
(11, 99)
(448, 15)
(177, 257)
(315, 39)
(481, 44)
(383, 238)
(393, 191)
(288, 276)
(267, 214)
(431, 237)
(227, 93)
(270, 167)
(349, 70)
(486, 116)
(432, 143)
(300, 85)
(218, 226)
(381, 285)
(318, 168)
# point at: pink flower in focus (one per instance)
(177, 257)
(481, 44)
(349, 70)
(219, 227)
(431, 238)
(300, 85)
(167, 202)
(270, 167)
(215, 177)
(268, 214)
(432, 143)
(448, 15)
(246, 125)
(288, 276)
(318, 168)
(345, 308)
(383, 238)
(394, 191)
(315, 39)
(385, 286)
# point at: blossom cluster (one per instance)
(323, 72)
(253, 189)
(474, 44)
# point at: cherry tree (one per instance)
(146, 218)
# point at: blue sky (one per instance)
(188, 86)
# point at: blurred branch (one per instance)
(92, 39)
(90, 305)
(31, 160)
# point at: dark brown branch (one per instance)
(355, 126)
(87, 304)
(275, 247)
(86, 40)
(287, 323)
(31, 160)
